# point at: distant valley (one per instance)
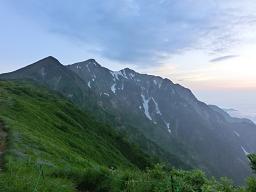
(240, 114)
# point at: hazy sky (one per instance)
(206, 45)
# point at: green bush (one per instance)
(251, 184)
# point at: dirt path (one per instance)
(3, 136)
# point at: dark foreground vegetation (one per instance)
(53, 146)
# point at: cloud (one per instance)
(143, 31)
(223, 58)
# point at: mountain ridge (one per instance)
(163, 112)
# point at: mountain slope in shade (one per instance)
(150, 108)
(50, 72)
(171, 116)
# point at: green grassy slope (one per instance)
(45, 130)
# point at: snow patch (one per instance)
(78, 67)
(117, 74)
(168, 127)
(237, 134)
(132, 75)
(88, 68)
(93, 62)
(145, 106)
(113, 88)
(157, 82)
(89, 84)
(92, 73)
(106, 94)
(245, 152)
(124, 74)
(157, 107)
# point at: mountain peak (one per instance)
(91, 60)
(49, 59)
(127, 69)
